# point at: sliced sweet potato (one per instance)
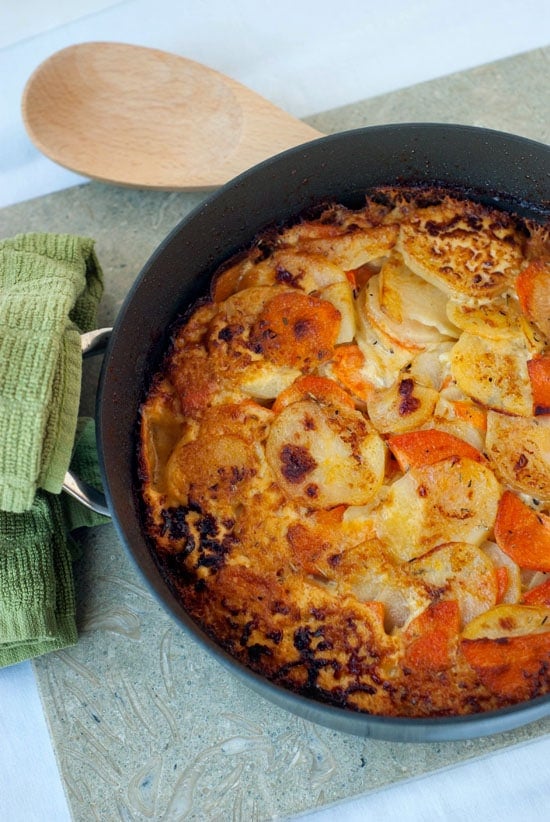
(471, 413)
(427, 446)
(539, 595)
(522, 533)
(430, 637)
(508, 573)
(515, 668)
(539, 376)
(296, 329)
(509, 648)
(348, 367)
(534, 294)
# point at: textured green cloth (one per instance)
(50, 287)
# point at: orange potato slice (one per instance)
(348, 366)
(325, 455)
(431, 637)
(509, 648)
(296, 330)
(539, 376)
(522, 533)
(429, 445)
(461, 572)
(532, 286)
(518, 449)
(539, 595)
(493, 373)
(508, 573)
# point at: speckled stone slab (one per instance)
(145, 724)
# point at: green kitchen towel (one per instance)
(37, 599)
(50, 287)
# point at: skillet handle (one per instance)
(92, 342)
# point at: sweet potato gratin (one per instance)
(345, 457)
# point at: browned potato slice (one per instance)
(462, 248)
(451, 500)
(285, 267)
(493, 372)
(370, 575)
(508, 621)
(349, 242)
(500, 319)
(519, 451)
(403, 406)
(462, 572)
(325, 455)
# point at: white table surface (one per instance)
(306, 57)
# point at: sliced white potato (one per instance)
(519, 451)
(371, 576)
(403, 406)
(452, 500)
(405, 296)
(508, 621)
(500, 319)
(340, 294)
(407, 332)
(462, 572)
(493, 372)
(324, 456)
(383, 357)
(462, 249)
(348, 249)
(264, 380)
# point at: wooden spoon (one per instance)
(141, 117)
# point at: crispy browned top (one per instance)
(345, 458)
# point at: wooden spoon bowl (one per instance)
(141, 117)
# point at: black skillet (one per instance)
(502, 170)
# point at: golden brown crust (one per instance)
(294, 495)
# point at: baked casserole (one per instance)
(345, 456)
